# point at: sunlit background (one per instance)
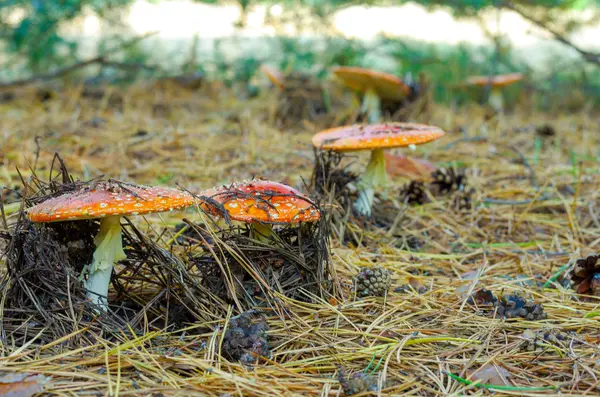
(229, 40)
(178, 21)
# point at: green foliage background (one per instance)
(32, 41)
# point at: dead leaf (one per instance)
(492, 375)
(417, 285)
(21, 385)
(408, 167)
(470, 275)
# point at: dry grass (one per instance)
(536, 207)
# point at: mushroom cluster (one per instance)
(260, 204)
(265, 206)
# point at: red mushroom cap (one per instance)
(375, 136)
(262, 201)
(109, 199)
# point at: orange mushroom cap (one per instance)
(262, 201)
(109, 199)
(275, 76)
(375, 136)
(495, 81)
(386, 85)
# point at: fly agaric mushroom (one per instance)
(275, 76)
(261, 204)
(107, 201)
(376, 138)
(496, 83)
(374, 86)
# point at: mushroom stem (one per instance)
(261, 231)
(372, 106)
(109, 250)
(496, 100)
(374, 177)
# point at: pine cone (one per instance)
(373, 281)
(585, 275)
(462, 199)
(413, 193)
(540, 339)
(359, 382)
(246, 337)
(448, 180)
(511, 306)
(545, 131)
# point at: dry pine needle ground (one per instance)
(535, 207)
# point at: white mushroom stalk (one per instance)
(375, 177)
(371, 105)
(109, 250)
(496, 99)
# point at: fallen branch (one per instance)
(587, 55)
(99, 59)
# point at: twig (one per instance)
(38, 148)
(587, 55)
(128, 65)
(523, 159)
(506, 202)
(102, 59)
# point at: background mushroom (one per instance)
(496, 83)
(261, 204)
(374, 86)
(107, 201)
(375, 138)
(274, 76)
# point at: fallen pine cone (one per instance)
(359, 382)
(373, 281)
(584, 276)
(540, 339)
(246, 337)
(413, 193)
(514, 305)
(448, 180)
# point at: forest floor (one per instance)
(533, 208)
